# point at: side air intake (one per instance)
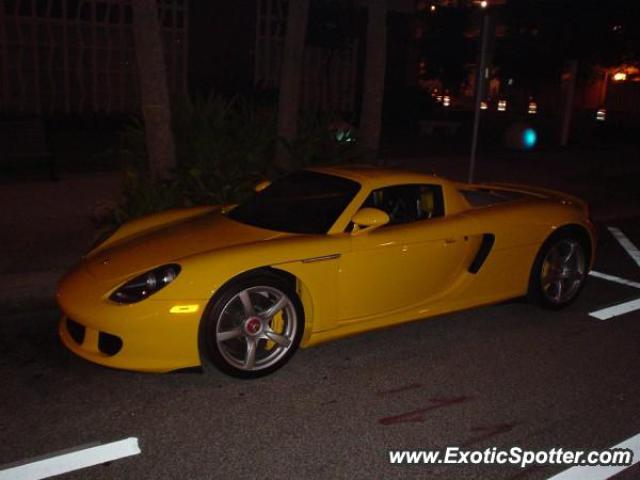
(488, 239)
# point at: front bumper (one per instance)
(144, 336)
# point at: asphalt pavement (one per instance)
(500, 376)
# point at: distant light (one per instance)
(502, 105)
(620, 77)
(446, 100)
(484, 4)
(533, 108)
(433, 8)
(529, 138)
(439, 98)
(484, 105)
(601, 115)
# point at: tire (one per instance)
(558, 272)
(252, 326)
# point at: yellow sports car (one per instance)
(319, 254)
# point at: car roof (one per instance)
(373, 176)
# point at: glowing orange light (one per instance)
(484, 105)
(620, 76)
(446, 100)
(533, 108)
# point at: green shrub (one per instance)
(317, 142)
(223, 148)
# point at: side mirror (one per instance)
(261, 185)
(368, 219)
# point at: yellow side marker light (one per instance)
(184, 308)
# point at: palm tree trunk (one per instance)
(290, 78)
(375, 65)
(570, 94)
(154, 93)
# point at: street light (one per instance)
(482, 76)
(620, 77)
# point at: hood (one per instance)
(202, 234)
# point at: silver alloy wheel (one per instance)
(256, 328)
(563, 271)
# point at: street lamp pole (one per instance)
(603, 91)
(482, 76)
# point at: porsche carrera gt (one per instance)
(319, 254)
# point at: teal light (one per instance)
(529, 138)
(345, 136)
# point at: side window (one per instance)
(408, 203)
(431, 201)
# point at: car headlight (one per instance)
(146, 284)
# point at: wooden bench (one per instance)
(22, 141)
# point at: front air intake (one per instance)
(109, 344)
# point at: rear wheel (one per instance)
(253, 326)
(558, 272)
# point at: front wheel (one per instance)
(253, 326)
(558, 272)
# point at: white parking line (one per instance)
(614, 311)
(613, 278)
(626, 307)
(630, 248)
(68, 462)
(602, 473)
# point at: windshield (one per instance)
(302, 202)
